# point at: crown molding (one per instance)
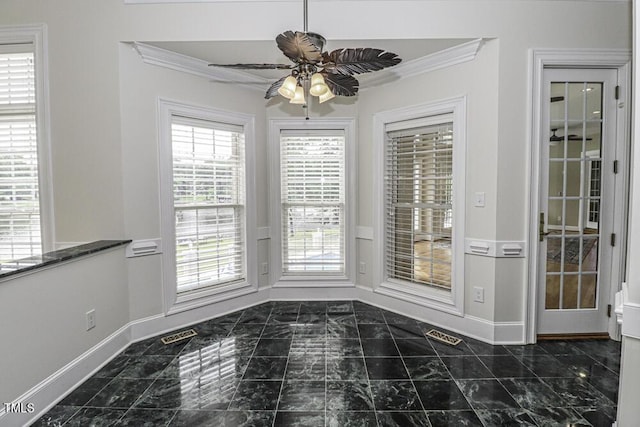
(175, 61)
(445, 58)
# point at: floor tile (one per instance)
(441, 395)
(85, 392)
(343, 347)
(146, 367)
(465, 367)
(506, 367)
(306, 367)
(346, 369)
(532, 393)
(414, 348)
(379, 348)
(96, 417)
(466, 418)
(256, 395)
(407, 331)
(550, 417)
(299, 419)
(486, 394)
(343, 364)
(443, 349)
(377, 331)
(395, 395)
(351, 419)
(146, 418)
(265, 368)
(577, 392)
(426, 368)
(385, 368)
(506, 417)
(120, 393)
(57, 416)
(402, 419)
(349, 396)
(302, 396)
(272, 347)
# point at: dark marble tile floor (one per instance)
(343, 363)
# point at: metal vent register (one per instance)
(442, 337)
(179, 336)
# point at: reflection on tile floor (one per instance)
(343, 364)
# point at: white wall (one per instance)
(43, 317)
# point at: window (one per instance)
(204, 192)
(418, 203)
(25, 217)
(419, 233)
(208, 197)
(312, 242)
(312, 197)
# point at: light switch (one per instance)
(479, 199)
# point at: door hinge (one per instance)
(615, 166)
(613, 239)
(617, 92)
(609, 310)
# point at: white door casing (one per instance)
(542, 60)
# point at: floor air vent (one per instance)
(442, 337)
(179, 336)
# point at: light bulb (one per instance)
(288, 88)
(326, 96)
(318, 86)
(299, 96)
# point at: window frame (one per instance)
(34, 38)
(175, 302)
(278, 279)
(444, 300)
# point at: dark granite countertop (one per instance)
(23, 265)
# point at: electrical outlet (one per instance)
(91, 319)
(478, 294)
(363, 267)
(264, 268)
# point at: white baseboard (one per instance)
(54, 388)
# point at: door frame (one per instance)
(539, 59)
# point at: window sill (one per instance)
(28, 265)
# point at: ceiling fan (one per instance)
(571, 137)
(315, 71)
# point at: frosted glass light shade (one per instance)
(288, 88)
(326, 96)
(299, 96)
(318, 86)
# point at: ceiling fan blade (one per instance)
(341, 84)
(273, 89)
(254, 66)
(298, 47)
(359, 60)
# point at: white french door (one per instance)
(577, 203)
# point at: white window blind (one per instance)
(312, 166)
(209, 201)
(20, 229)
(419, 192)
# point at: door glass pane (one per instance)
(574, 195)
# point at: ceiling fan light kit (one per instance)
(316, 72)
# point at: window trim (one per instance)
(439, 299)
(174, 302)
(348, 126)
(35, 36)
